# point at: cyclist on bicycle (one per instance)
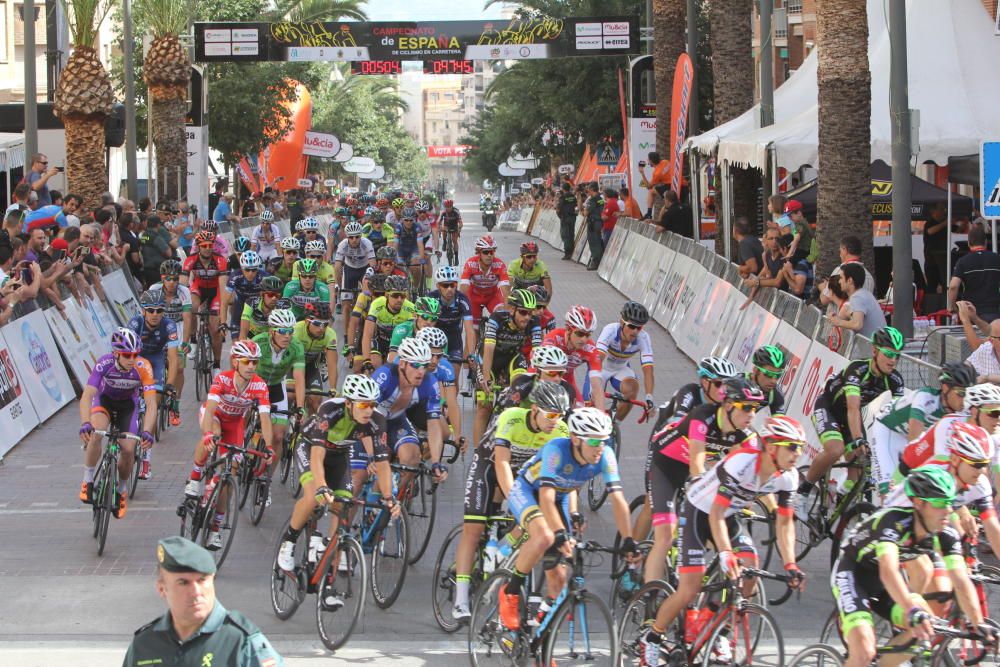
(618, 343)
(219, 243)
(546, 319)
(456, 314)
(450, 222)
(538, 498)
(205, 273)
(232, 393)
(441, 368)
(372, 287)
(324, 457)
(411, 248)
(548, 364)
(160, 343)
(387, 263)
(240, 246)
(258, 308)
(290, 248)
(177, 308)
(315, 251)
(712, 374)
(867, 577)
(241, 288)
(710, 516)
(306, 289)
(307, 230)
(576, 340)
(385, 314)
(112, 393)
(484, 279)
(353, 257)
(319, 345)
(520, 432)
(837, 413)
(266, 236)
(428, 227)
(426, 311)
(527, 270)
(768, 367)
(379, 232)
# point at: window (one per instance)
(780, 24)
(793, 6)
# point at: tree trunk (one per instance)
(844, 200)
(669, 29)
(85, 166)
(170, 140)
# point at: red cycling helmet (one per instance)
(448, 203)
(529, 248)
(582, 318)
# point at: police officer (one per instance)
(196, 631)
(566, 210)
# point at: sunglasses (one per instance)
(320, 256)
(155, 311)
(486, 252)
(523, 311)
(555, 374)
(792, 446)
(889, 354)
(128, 355)
(395, 295)
(366, 405)
(249, 362)
(318, 323)
(204, 246)
(634, 327)
(169, 279)
(291, 252)
(581, 334)
(958, 391)
(311, 231)
(429, 318)
(551, 416)
(992, 414)
(594, 442)
(938, 503)
(250, 270)
(418, 364)
(529, 256)
(978, 464)
(271, 294)
(747, 407)
(447, 285)
(307, 276)
(771, 374)
(284, 331)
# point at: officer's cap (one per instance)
(179, 554)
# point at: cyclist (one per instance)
(681, 450)
(306, 230)
(177, 308)
(395, 214)
(160, 343)
(241, 288)
(867, 577)
(372, 287)
(712, 374)
(548, 364)
(232, 393)
(527, 270)
(618, 343)
(353, 256)
(576, 340)
(319, 345)
(324, 456)
(258, 308)
(837, 413)
(305, 289)
(520, 432)
(379, 232)
(205, 272)
(710, 510)
(112, 393)
(455, 319)
(545, 482)
(426, 311)
(411, 248)
(219, 243)
(768, 367)
(504, 336)
(906, 418)
(266, 236)
(324, 270)
(387, 263)
(484, 279)
(384, 315)
(546, 319)
(240, 246)
(450, 222)
(290, 247)
(428, 228)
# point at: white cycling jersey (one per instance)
(615, 356)
(735, 483)
(355, 258)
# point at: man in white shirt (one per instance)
(986, 358)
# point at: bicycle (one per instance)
(387, 540)
(329, 573)
(133, 480)
(253, 476)
(597, 490)
(821, 514)
(105, 489)
(291, 442)
(203, 356)
(451, 247)
(549, 637)
(419, 497)
(164, 402)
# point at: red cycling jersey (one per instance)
(205, 276)
(233, 404)
(484, 282)
(585, 355)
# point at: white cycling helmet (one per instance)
(266, 216)
(360, 388)
(307, 224)
(715, 368)
(314, 246)
(486, 243)
(982, 394)
(281, 318)
(433, 337)
(446, 274)
(414, 351)
(581, 318)
(590, 423)
(290, 243)
(250, 260)
(245, 349)
(353, 229)
(971, 442)
(549, 356)
(782, 428)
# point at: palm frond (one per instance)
(85, 19)
(319, 10)
(165, 17)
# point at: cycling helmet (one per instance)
(889, 338)
(446, 274)
(314, 246)
(386, 252)
(427, 307)
(370, 211)
(242, 244)
(361, 388)
(366, 199)
(546, 357)
(742, 389)
(409, 212)
(971, 442)
(542, 295)
(170, 267)
(245, 349)
(341, 211)
(485, 243)
(582, 318)
(957, 374)
(369, 272)
(271, 284)
(931, 482)
(281, 318)
(414, 351)
(377, 283)
(350, 201)
(550, 397)
(307, 267)
(433, 337)
(398, 202)
(250, 260)
(151, 299)
(290, 243)
(396, 283)
(204, 238)
(210, 226)
(353, 229)
(422, 207)
(448, 203)
(307, 224)
(317, 310)
(635, 312)
(715, 368)
(125, 340)
(522, 298)
(266, 216)
(769, 355)
(982, 394)
(782, 429)
(590, 423)
(529, 248)
(382, 202)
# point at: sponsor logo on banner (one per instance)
(10, 387)
(218, 49)
(616, 42)
(588, 29)
(247, 49)
(319, 144)
(245, 35)
(616, 28)
(218, 35)
(40, 362)
(588, 43)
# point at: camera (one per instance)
(642, 163)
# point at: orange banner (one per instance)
(683, 77)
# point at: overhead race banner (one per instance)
(359, 165)
(349, 41)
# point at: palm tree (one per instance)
(845, 109)
(318, 10)
(83, 101)
(669, 22)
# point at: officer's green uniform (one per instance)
(226, 638)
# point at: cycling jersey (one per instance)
(355, 258)
(859, 378)
(205, 274)
(933, 444)
(253, 312)
(155, 342)
(293, 291)
(555, 467)
(617, 357)
(891, 529)
(977, 497)
(507, 338)
(245, 288)
(522, 278)
(381, 234)
(221, 246)
(314, 348)
(703, 424)
(386, 321)
(402, 331)
(484, 282)
(284, 272)
(513, 432)
(175, 306)
(233, 403)
(266, 249)
(426, 395)
(584, 355)
(445, 373)
(333, 429)
(406, 238)
(521, 386)
(452, 319)
(451, 219)
(924, 405)
(274, 366)
(324, 273)
(735, 483)
(118, 385)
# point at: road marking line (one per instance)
(38, 466)
(44, 504)
(76, 510)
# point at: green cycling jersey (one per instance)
(299, 298)
(313, 348)
(274, 367)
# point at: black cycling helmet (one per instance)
(957, 374)
(769, 355)
(889, 338)
(151, 299)
(397, 284)
(376, 283)
(317, 310)
(742, 390)
(271, 284)
(635, 312)
(549, 396)
(242, 244)
(386, 252)
(170, 267)
(542, 295)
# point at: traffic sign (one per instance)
(607, 155)
(989, 168)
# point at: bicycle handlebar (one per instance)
(620, 398)
(121, 436)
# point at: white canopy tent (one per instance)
(11, 157)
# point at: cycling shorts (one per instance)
(336, 468)
(124, 413)
(489, 300)
(278, 397)
(615, 377)
(406, 255)
(480, 489)
(209, 295)
(858, 592)
(401, 432)
(231, 430)
(694, 535)
(316, 376)
(523, 504)
(829, 424)
(350, 282)
(665, 479)
(456, 345)
(159, 364)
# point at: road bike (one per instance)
(451, 247)
(203, 356)
(597, 489)
(419, 497)
(386, 541)
(254, 480)
(104, 497)
(823, 512)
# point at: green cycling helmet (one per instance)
(931, 483)
(889, 338)
(522, 298)
(769, 355)
(428, 308)
(271, 284)
(307, 267)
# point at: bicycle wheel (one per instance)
(422, 509)
(629, 582)
(261, 490)
(244, 473)
(808, 531)
(634, 508)
(336, 625)
(749, 637)
(582, 630)
(990, 580)
(958, 652)
(490, 643)
(285, 465)
(846, 524)
(389, 559)
(226, 529)
(637, 617)
(597, 490)
(104, 503)
(133, 479)
(443, 581)
(818, 655)
(288, 590)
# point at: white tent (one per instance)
(953, 83)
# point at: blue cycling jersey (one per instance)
(245, 288)
(454, 314)
(427, 395)
(155, 342)
(555, 466)
(445, 373)
(407, 239)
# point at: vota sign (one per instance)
(447, 151)
(318, 144)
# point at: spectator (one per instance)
(659, 177)
(631, 209)
(145, 207)
(106, 220)
(130, 246)
(155, 243)
(751, 250)
(57, 197)
(985, 357)
(804, 245)
(609, 217)
(977, 274)
(183, 227)
(774, 259)
(566, 211)
(673, 216)
(936, 247)
(86, 268)
(593, 208)
(22, 192)
(850, 253)
(38, 178)
(224, 211)
(798, 274)
(72, 204)
(866, 315)
(776, 211)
